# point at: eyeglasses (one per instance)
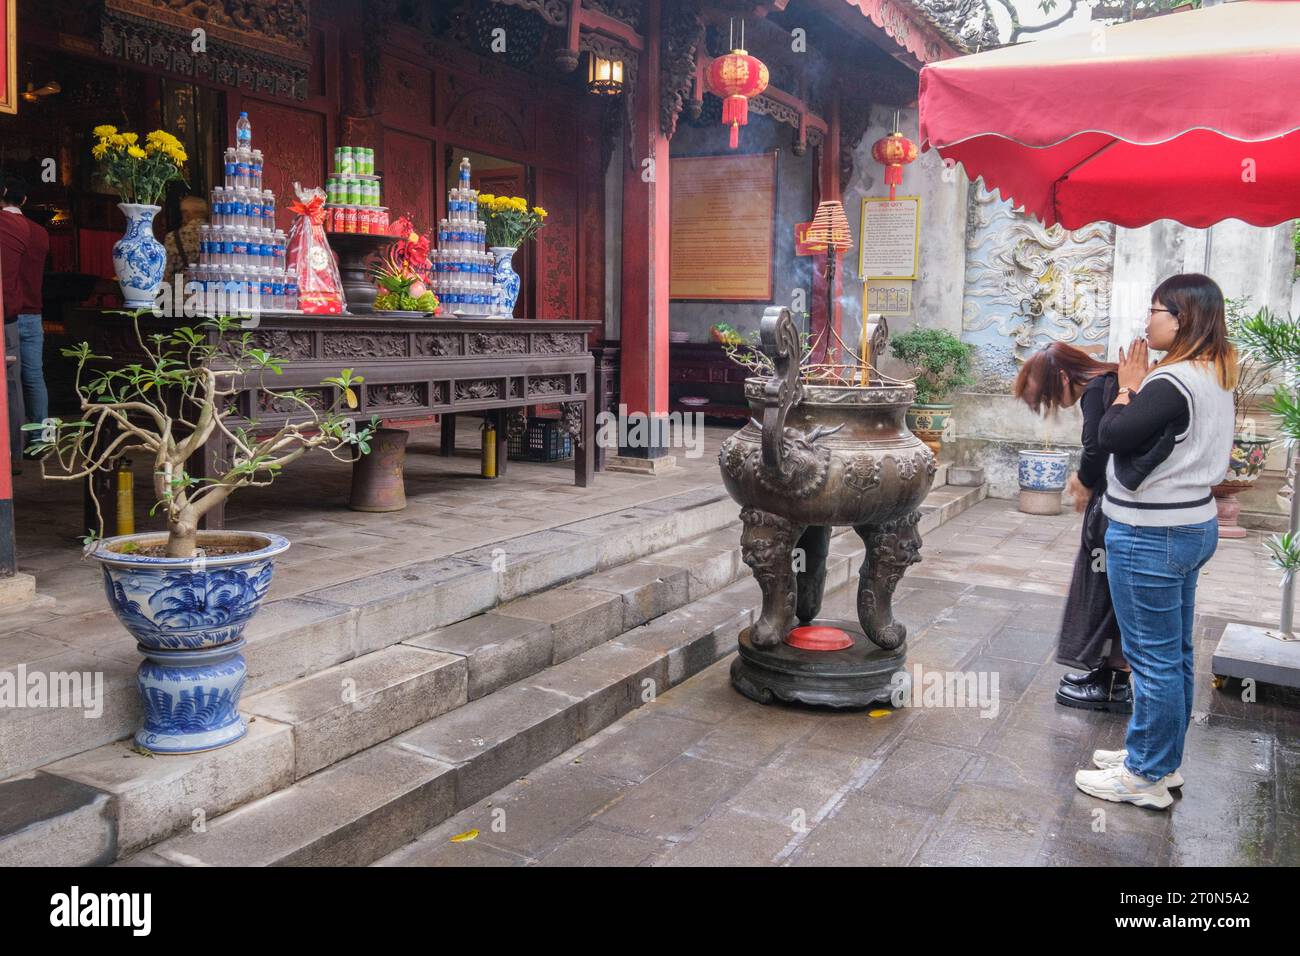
(1170, 311)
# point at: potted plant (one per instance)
(184, 594)
(941, 362)
(1249, 450)
(139, 174)
(510, 223)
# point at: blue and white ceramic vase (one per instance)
(188, 617)
(191, 699)
(138, 257)
(505, 281)
(1043, 470)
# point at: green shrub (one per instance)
(940, 360)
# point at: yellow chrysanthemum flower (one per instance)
(104, 131)
(485, 198)
(130, 138)
(539, 212)
(164, 138)
(135, 151)
(117, 139)
(99, 151)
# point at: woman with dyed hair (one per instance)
(1169, 432)
(1061, 376)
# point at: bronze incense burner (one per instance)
(814, 456)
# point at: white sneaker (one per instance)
(1119, 786)
(1105, 759)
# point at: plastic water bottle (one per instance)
(243, 132)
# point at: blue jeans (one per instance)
(31, 345)
(1152, 573)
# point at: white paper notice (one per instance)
(888, 242)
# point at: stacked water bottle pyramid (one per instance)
(241, 253)
(462, 266)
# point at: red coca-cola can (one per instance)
(329, 219)
(349, 219)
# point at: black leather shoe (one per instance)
(1112, 692)
(1078, 679)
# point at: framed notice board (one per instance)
(723, 227)
(889, 238)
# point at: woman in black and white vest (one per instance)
(1169, 433)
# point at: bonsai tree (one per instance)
(940, 359)
(171, 401)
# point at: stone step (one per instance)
(295, 637)
(575, 658)
(450, 762)
(307, 724)
(505, 732)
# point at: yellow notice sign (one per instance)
(889, 240)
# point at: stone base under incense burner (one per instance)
(858, 676)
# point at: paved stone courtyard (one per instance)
(703, 776)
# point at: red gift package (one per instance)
(311, 263)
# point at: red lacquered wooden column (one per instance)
(644, 335)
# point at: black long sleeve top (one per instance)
(1097, 397)
(1141, 434)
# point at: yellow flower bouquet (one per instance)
(510, 222)
(139, 172)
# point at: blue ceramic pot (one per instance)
(171, 604)
(1043, 470)
(191, 699)
(138, 258)
(505, 281)
(188, 616)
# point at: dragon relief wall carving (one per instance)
(1033, 284)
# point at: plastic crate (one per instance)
(542, 440)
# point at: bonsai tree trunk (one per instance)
(182, 539)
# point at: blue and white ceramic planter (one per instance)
(1043, 470)
(191, 699)
(505, 281)
(188, 616)
(138, 258)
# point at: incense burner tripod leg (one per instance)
(810, 581)
(766, 546)
(890, 549)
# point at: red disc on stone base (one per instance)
(815, 637)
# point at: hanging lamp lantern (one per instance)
(604, 75)
(893, 151)
(735, 78)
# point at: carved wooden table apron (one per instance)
(413, 368)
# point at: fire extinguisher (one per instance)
(488, 454)
(125, 497)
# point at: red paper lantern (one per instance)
(735, 78)
(894, 151)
